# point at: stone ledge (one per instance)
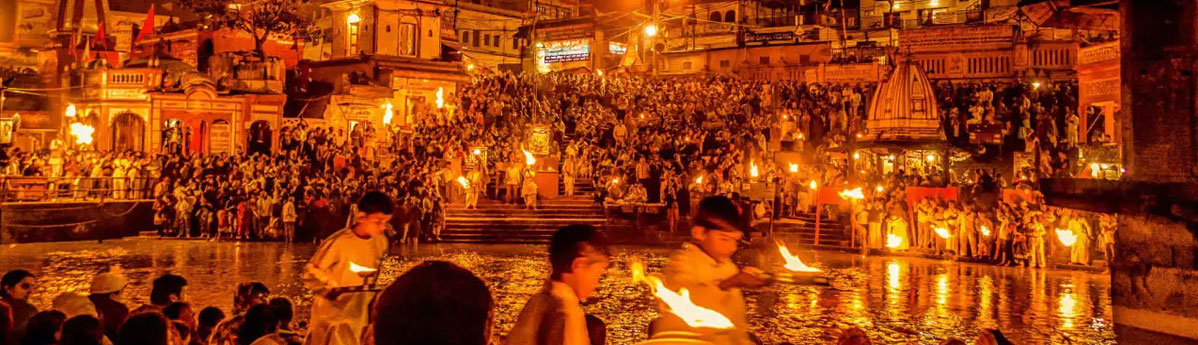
(1175, 325)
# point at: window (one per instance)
(515, 43)
(496, 41)
(715, 16)
(730, 16)
(353, 22)
(388, 28)
(465, 36)
(476, 38)
(764, 60)
(486, 40)
(407, 39)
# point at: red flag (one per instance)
(147, 28)
(101, 38)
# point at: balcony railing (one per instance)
(44, 189)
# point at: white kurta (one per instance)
(341, 321)
(699, 273)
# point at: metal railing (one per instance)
(58, 189)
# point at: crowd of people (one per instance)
(642, 141)
(433, 303)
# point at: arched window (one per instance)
(715, 16)
(730, 16)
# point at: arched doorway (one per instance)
(128, 132)
(259, 138)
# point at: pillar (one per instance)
(1154, 275)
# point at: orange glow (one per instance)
(943, 233)
(1066, 237)
(793, 262)
(699, 180)
(813, 185)
(82, 133)
(753, 169)
(893, 241)
(985, 231)
(854, 193)
(464, 182)
(388, 113)
(794, 168)
(528, 158)
(440, 98)
(679, 303)
(353, 267)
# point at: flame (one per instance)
(893, 241)
(615, 180)
(679, 303)
(82, 133)
(71, 110)
(856, 155)
(794, 168)
(440, 97)
(792, 261)
(699, 180)
(638, 270)
(854, 193)
(753, 169)
(1066, 237)
(477, 152)
(813, 185)
(943, 233)
(880, 189)
(985, 231)
(464, 182)
(528, 158)
(388, 113)
(931, 158)
(353, 267)
(470, 67)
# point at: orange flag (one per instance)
(147, 28)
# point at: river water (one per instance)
(896, 300)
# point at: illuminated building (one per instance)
(376, 52)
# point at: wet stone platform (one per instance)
(896, 300)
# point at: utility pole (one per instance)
(844, 32)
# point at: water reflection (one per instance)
(896, 300)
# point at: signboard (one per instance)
(958, 38)
(572, 33)
(1098, 74)
(1099, 53)
(851, 73)
(566, 51)
(220, 139)
(769, 36)
(617, 48)
(126, 94)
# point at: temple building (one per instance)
(165, 93)
(382, 64)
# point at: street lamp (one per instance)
(651, 30)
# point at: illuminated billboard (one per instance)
(617, 48)
(566, 51)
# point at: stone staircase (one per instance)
(497, 222)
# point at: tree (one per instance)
(262, 19)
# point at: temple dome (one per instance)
(904, 108)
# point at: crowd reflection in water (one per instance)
(442, 302)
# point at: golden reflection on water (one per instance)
(895, 300)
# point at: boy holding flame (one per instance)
(347, 258)
(704, 267)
